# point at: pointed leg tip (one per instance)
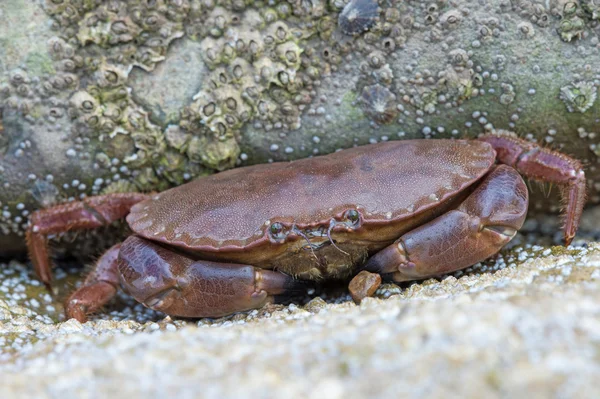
(569, 233)
(568, 240)
(75, 312)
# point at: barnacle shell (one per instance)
(358, 16)
(571, 27)
(578, 96)
(592, 7)
(451, 19)
(526, 29)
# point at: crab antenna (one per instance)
(310, 244)
(331, 226)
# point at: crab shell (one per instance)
(393, 186)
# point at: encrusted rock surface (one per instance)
(525, 322)
(100, 96)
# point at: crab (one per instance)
(239, 239)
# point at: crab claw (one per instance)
(486, 221)
(177, 285)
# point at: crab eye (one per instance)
(276, 230)
(352, 216)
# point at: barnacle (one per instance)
(526, 29)
(571, 28)
(578, 96)
(176, 137)
(592, 7)
(451, 19)
(458, 58)
(119, 186)
(457, 85)
(133, 33)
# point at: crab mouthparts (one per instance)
(320, 233)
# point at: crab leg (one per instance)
(177, 285)
(98, 288)
(484, 222)
(79, 215)
(545, 165)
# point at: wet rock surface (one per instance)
(527, 321)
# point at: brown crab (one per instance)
(239, 239)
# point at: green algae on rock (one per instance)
(151, 94)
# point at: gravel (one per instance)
(525, 322)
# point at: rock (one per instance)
(364, 285)
(91, 93)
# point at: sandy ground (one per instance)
(527, 322)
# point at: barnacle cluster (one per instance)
(32, 98)
(265, 68)
(453, 84)
(572, 24)
(260, 70)
(535, 11)
(256, 74)
(132, 33)
(385, 31)
(42, 98)
(105, 112)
